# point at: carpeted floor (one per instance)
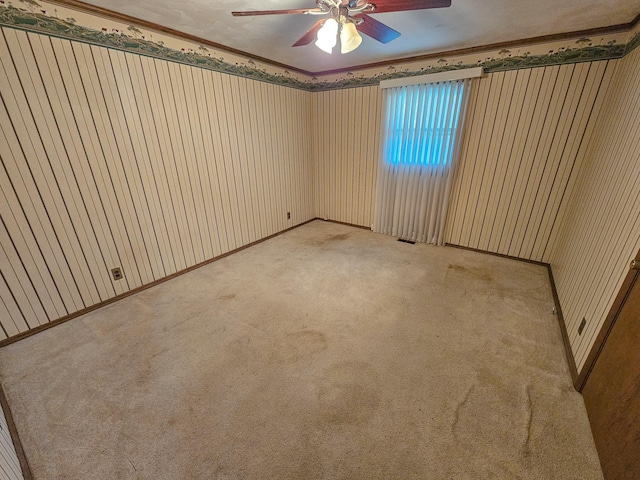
(328, 352)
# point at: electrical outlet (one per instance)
(116, 273)
(582, 324)
(288, 215)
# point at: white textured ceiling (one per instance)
(467, 23)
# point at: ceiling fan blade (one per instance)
(311, 11)
(377, 30)
(383, 6)
(311, 34)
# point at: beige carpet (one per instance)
(328, 352)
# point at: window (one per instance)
(422, 122)
(422, 125)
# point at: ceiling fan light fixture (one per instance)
(350, 39)
(327, 35)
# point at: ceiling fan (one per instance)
(346, 18)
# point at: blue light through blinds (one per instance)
(422, 123)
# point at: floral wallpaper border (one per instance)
(633, 43)
(31, 16)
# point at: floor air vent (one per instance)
(411, 242)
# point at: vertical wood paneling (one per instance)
(146, 143)
(81, 183)
(524, 131)
(137, 155)
(14, 321)
(23, 158)
(51, 168)
(68, 69)
(112, 159)
(208, 183)
(275, 167)
(596, 86)
(347, 141)
(179, 131)
(266, 147)
(507, 105)
(22, 289)
(488, 116)
(79, 58)
(9, 463)
(251, 183)
(508, 170)
(122, 164)
(26, 247)
(601, 229)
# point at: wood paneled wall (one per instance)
(9, 463)
(525, 130)
(115, 159)
(346, 145)
(601, 232)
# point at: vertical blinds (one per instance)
(421, 125)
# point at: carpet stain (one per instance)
(348, 394)
(230, 296)
(298, 345)
(479, 273)
(318, 242)
(337, 237)
(240, 353)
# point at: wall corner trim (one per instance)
(563, 330)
